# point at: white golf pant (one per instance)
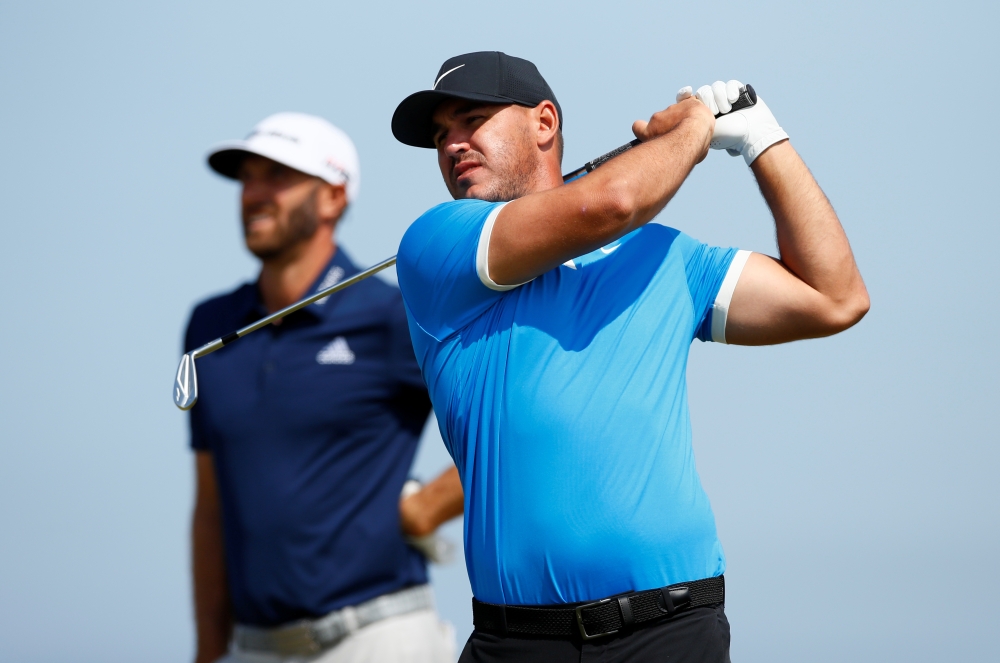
(416, 637)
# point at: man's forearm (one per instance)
(646, 178)
(213, 616)
(811, 240)
(436, 503)
(212, 610)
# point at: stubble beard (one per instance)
(302, 224)
(513, 168)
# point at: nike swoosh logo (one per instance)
(608, 252)
(434, 87)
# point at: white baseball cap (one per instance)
(306, 143)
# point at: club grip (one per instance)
(746, 99)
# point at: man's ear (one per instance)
(548, 124)
(331, 201)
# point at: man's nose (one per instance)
(455, 147)
(254, 192)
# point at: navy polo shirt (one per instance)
(312, 425)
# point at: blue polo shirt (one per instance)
(312, 425)
(563, 402)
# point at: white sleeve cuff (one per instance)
(483, 254)
(720, 310)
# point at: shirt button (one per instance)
(269, 367)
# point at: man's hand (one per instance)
(422, 509)
(749, 131)
(668, 119)
(414, 519)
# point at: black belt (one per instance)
(598, 618)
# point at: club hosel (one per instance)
(208, 348)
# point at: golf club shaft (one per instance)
(591, 165)
(223, 341)
(211, 347)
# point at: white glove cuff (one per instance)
(767, 141)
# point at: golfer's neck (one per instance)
(549, 176)
(285, 279)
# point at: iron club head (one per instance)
(186, 383)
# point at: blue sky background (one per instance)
(853, 478)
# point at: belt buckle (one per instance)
(579, 620)
(298, 639)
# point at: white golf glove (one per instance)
(435, 548)
(749, 131)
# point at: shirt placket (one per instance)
(269, 352)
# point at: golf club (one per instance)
(186, 382)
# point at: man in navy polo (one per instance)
(305, 433)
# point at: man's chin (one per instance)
(469, 194)
(479, 192)
(263, 250)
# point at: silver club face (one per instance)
(186, 383)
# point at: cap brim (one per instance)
(412, 123)
(225, 159)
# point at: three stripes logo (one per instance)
(331, 279)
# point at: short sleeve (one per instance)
(707, 268)
(437, 271)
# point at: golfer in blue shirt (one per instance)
(552, 324)
(305, 433)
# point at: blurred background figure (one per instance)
(306, 432)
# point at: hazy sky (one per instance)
(853, 478)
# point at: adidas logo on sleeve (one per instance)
(331, 279)
(336, 352)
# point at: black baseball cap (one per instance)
(488, 76)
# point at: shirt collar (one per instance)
(337, 269)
